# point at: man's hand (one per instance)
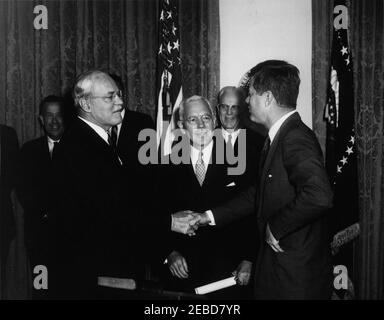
(200, 220)
(177, 265)
(184, 222)
(243, 273)
(270, 239)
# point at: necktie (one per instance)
(229, 150)
(112, 137)
(200, 169)
(264, 152)
(55, 143)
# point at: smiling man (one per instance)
(93, 222)
(198, 184)
(35, 182)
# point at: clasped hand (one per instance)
(187, 221)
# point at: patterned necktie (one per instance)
(200, 169)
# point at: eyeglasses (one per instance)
(205, 118)
(111, 97)
(224, 107)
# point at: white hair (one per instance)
(84, 83)
(191, 99)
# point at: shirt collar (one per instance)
(276, 126)
(51, 143)
(50, 140)
(99, 130)
(234, 135)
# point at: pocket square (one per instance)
(231, 184)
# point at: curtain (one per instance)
(322, 28)
(367, 27)
(118, 36)
(200, 47)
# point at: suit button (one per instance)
(269, 176)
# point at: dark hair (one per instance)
(48, 100)
(279, 77)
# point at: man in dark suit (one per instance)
(200, 183)
(9, 149)
(293, 195)
(34, 185)
(94, 222)
(128, 146)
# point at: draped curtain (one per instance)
(200, 45)
(367, 31)
(118, 36)
(321, 51)
(367, 43)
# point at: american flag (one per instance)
(168, 73)
(339, 111)
(340, 142)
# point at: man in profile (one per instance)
(34, 187)
(94, 225)
(291, 198)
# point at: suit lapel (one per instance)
(45, 148)
(96, 140)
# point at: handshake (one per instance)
(187, 221)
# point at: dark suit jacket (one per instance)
(294, 195)
(213, 253)
(138, 176)
(96, 218)
(34, 193)
(8, 168)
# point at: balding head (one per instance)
(98, 99)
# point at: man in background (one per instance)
(199, 183)
(231, 104)
(35, 183)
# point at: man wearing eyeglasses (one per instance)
(94, 223)
(198, 184)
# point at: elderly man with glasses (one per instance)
(95, 221)
(196, 185)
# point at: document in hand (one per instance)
(214, 286)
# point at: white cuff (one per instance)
(211, 217)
